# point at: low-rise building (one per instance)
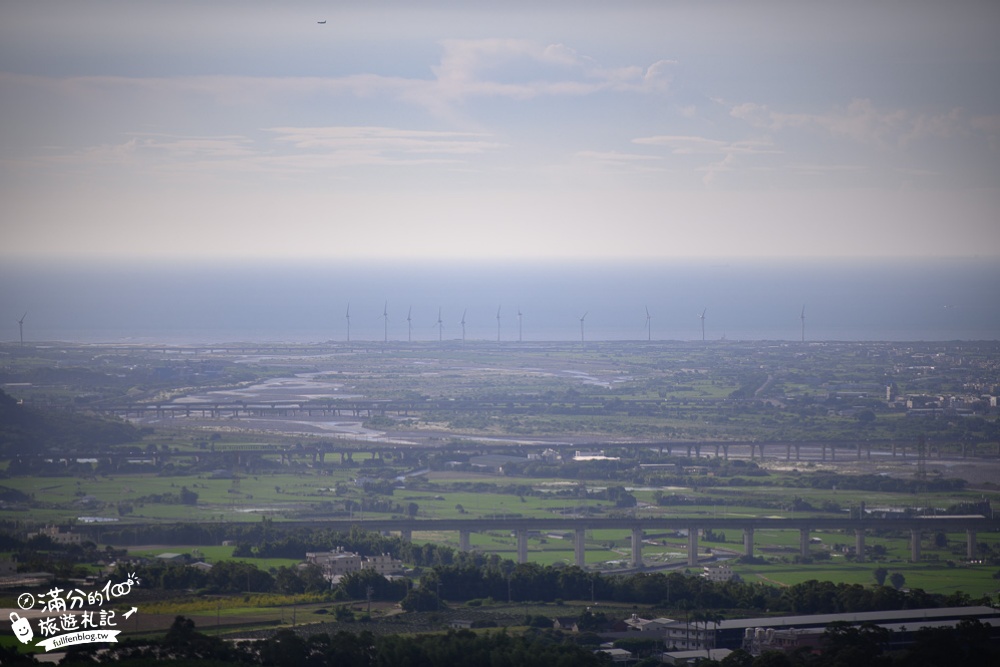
(718, 572)
(339, 562)
(693, 657)
(617, 654)
(335, 563)
(55, 534)
(384, 564)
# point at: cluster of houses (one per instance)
(687, 642)
(335, 564)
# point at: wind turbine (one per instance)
(581, 325)
(20, 326)
(440, 326)
(649, 327)
(348, 316)
(498, 322)
(702, 316)
(463, 323)
(519, 324)
(385, 318)
(409, 325)
(803, 318)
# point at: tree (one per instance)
(420, 599)
(738, 658)
(880, 573)
(897, 580)
(188, 497)
(846, 644)
(772, 659)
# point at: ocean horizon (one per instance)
(308, 301)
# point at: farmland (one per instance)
(212, 445)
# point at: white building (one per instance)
(335, 563)
(57, 536)
(718, 572)
(339, 562)
(383, 564)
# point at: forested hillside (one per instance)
(24, 429)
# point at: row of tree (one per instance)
(467, 580)
(968, 644)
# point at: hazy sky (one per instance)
(499, 129)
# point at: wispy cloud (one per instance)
(621, 161)
(861, 121)
(288, 149)
(383, 140)
(467, 69)
(696, 145)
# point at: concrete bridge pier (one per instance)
(748, 541)
(859, 545)
(692, 547)
(970, 544)
(914, 546)
(804, 542)
(580, 547)
(464, 543)
(637, 547)
(522, 545)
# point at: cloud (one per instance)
(861, 121)
(151, 149)
(725, 153)
(618, 160)
(384, 139)
(695, 145)
(287, 150)
(514, 69)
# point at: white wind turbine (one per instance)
(20, 327)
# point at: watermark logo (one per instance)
(73, 617)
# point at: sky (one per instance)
(483, 130)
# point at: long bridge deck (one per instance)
(916, 526)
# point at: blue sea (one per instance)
(307, 301)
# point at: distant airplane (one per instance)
(321, 22)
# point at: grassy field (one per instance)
(470, 495)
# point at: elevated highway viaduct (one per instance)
(916, 526)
